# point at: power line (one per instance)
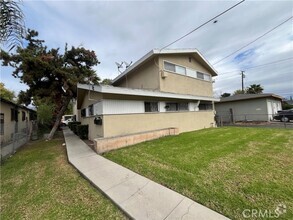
(203, 24)
(254, 40)
(252, 67)
(234, 76)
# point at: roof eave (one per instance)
(157, 52)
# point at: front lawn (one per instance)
(228, 170)
(38, 183)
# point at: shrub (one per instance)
(82, 131)
(70, 124)
(74, 127)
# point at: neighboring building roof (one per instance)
(141, 92)
(156, 52)
(248, 97)
(15, 105)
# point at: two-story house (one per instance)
(163, 89)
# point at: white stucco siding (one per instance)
(162, 106)
(98, 108)
(193, 106)
(273, 107)
(122, 107)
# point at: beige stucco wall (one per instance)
(182, 84)
(115, 125)
(144, 77)
(183, 60)
(9, 126)
(95, 131)
(91, 97)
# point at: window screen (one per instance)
(205, 106)
(171, 107)
(151, 107)
(200, 75)
(169, 66)
(183, 106)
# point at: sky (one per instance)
(127, 30)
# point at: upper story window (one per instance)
(151, 107)
(200, 75)
(186, 71)
(174, 68)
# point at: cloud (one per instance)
(125, 31)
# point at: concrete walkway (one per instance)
(139, 197)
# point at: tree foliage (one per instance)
(254, 89)
(6, 93)
(50, 74)
(238, 92)
(45, 110)
(106, 81)
(12, 27)
(225, 95)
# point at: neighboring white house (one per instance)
(248, 107)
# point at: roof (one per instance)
(14, 104)
(141, 92)
(156, 52)
(241, 97)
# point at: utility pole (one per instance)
(242, 79)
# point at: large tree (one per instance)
(50, 74)
(12, 27)
(6, 93)
(254, 89)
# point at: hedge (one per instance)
(74, 127)
(70, 124)
(82, 131)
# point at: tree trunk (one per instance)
(58, 118)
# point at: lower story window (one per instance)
(83, 112)
(173, 106)
(151, 107)
(91, 110)
(2, 123)
(205, 106)
(183, 106)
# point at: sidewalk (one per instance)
(139, 197)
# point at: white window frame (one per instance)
(188, 72)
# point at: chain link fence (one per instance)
(10, 144)
(250, 120)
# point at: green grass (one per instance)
(226, 169)
(38, 183)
